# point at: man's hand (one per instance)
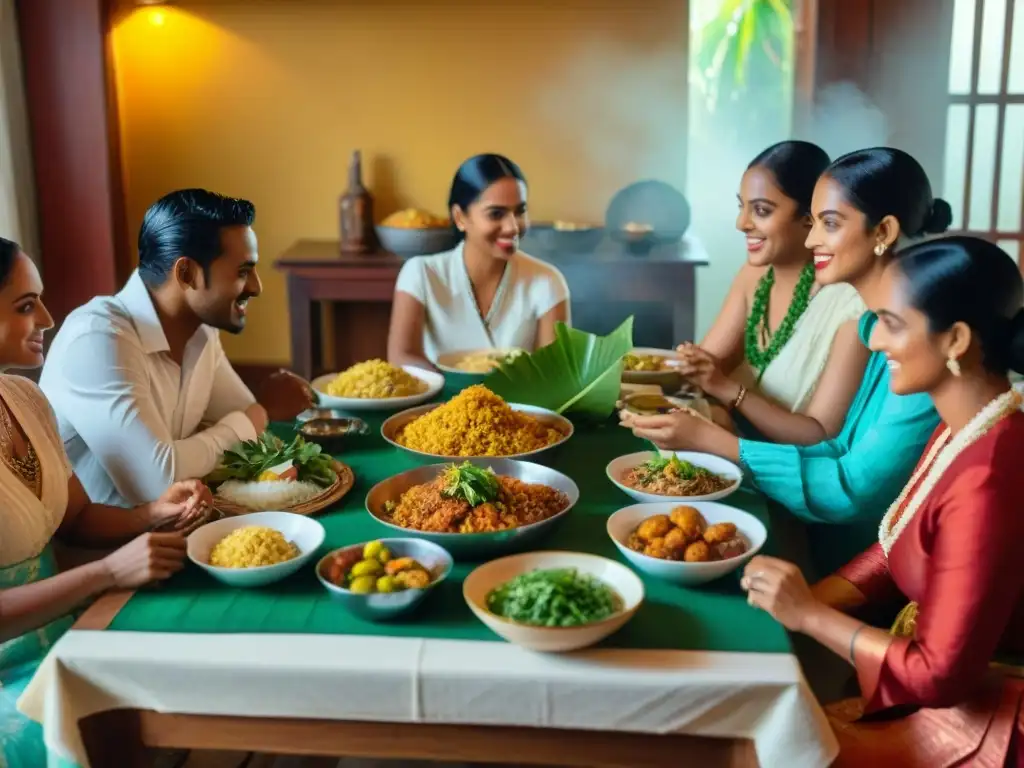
(286, 395)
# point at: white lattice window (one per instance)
(984, 157)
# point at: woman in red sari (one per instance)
(951, 547)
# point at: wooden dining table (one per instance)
(697, 676)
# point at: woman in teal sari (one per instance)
(865, 204)
(42, 498)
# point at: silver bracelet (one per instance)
(853, 641)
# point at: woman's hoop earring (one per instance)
(954, 366)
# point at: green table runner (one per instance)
(713, 617)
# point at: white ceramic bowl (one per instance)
(487, 577)
(618, 468)
(434, 381)
(306, 533)
(625, 521)
(449, 360)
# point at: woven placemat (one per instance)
(327, 498)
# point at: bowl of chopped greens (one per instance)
(674, 476)
(553, 601)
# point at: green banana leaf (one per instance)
(579, 373)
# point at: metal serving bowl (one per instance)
(391, 427)
(332, 431)
(475, 546)
(320, 413)
(381, 606)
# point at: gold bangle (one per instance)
(739, 399)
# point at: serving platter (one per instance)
(330, 496)
(393, 426)
(448, 361)
(433, 380)
(474, 545)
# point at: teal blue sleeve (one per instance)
(827, 483)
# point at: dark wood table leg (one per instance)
(114, 738)
(300, 317)
(684, 310)
(316, 338)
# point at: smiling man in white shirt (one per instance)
(135, 378)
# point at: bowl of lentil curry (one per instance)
(525, 503)
(477, 423)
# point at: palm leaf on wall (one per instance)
(743, 64)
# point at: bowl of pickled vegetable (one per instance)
(553, 601)
(384, 578)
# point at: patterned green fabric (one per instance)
(21, 740)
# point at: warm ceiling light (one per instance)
(152, 2)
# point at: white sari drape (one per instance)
(792, 377)
(26, 523)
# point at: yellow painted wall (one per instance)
(266, 99)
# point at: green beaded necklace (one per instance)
(759, 358)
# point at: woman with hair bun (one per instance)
(950, 326)
(485, 293)
(864, 205)
(785, 340)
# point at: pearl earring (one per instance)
(879, 249)
(954, 366)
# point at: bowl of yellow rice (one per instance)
(376, 385)
(476, 424)
(256, 549)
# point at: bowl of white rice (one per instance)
(304, 534)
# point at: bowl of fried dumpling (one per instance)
(686, 544)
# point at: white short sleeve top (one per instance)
(529, 289)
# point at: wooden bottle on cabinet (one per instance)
(356, 212)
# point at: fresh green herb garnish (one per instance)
(473, 485)
(248, 460)
(683, 470)
(559, 597)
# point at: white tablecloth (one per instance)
(338, 677)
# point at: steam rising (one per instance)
(843, 119)
(628, 113)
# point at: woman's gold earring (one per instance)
(879, 249)
(954, 366)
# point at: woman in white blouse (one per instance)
(485, 293)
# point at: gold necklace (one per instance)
(26, 468)
(941, 456)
